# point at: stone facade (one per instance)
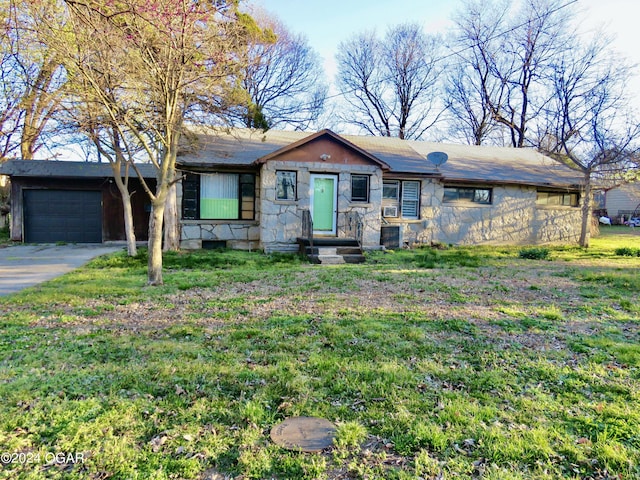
(236, 234)
(512, 218)
(281, 221)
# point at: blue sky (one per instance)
(328, 22)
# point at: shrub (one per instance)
(534, 253)
(627, 252)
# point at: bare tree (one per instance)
(510, 53)
(170, 55)
(469, 115)
(391, 85)
(105, 129)
(10, 113)
(588, 124)
(470, 82)
(31, 78)
(282, 81)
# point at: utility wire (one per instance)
(454, 53)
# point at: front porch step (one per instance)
(327, 251)
(330, 242)
(327, 259)
(332, 251)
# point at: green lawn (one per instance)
(449, 363)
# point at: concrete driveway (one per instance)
(22, 266)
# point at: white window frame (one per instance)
(368, 180)
(410, 203)
(407, 198)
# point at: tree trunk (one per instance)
(154, 265)
(129, 231)
(171, 224)
(29, 136)
(585, 230)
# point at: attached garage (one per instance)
(73, 216)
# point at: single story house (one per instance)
(250, 189)
(255, 190)
(622, 202)
(76, 202)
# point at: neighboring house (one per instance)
(253, 190)
(621, 202)
(54, 201)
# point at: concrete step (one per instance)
(327, 259)
(357, 258)
(348, 251)
(331, 259)
(332, 251)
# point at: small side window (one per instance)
(360, 188)
(468, 194)
(390, 190)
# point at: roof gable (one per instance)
(318, 138)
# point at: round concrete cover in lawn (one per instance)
(308, 434)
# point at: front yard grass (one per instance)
(433, 363)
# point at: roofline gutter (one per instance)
(568, 186)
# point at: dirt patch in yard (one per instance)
(488, 302)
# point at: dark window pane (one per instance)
(557, 199)
(359, 188)
(390, 190)
(450, 194)
(190, 196)
(467, 194)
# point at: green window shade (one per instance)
(219, 199)
(219, 208)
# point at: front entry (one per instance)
(324, 203)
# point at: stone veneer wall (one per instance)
(512, 218)
(238, 234)
(281, 221)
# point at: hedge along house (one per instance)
(250, 189)
(77, 202)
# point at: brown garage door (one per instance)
(73, 216)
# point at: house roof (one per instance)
(56, 168)
(526, 166)
(466, 163)
(245, 148)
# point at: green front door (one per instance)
(323, 204)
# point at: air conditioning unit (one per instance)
(390, 211)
